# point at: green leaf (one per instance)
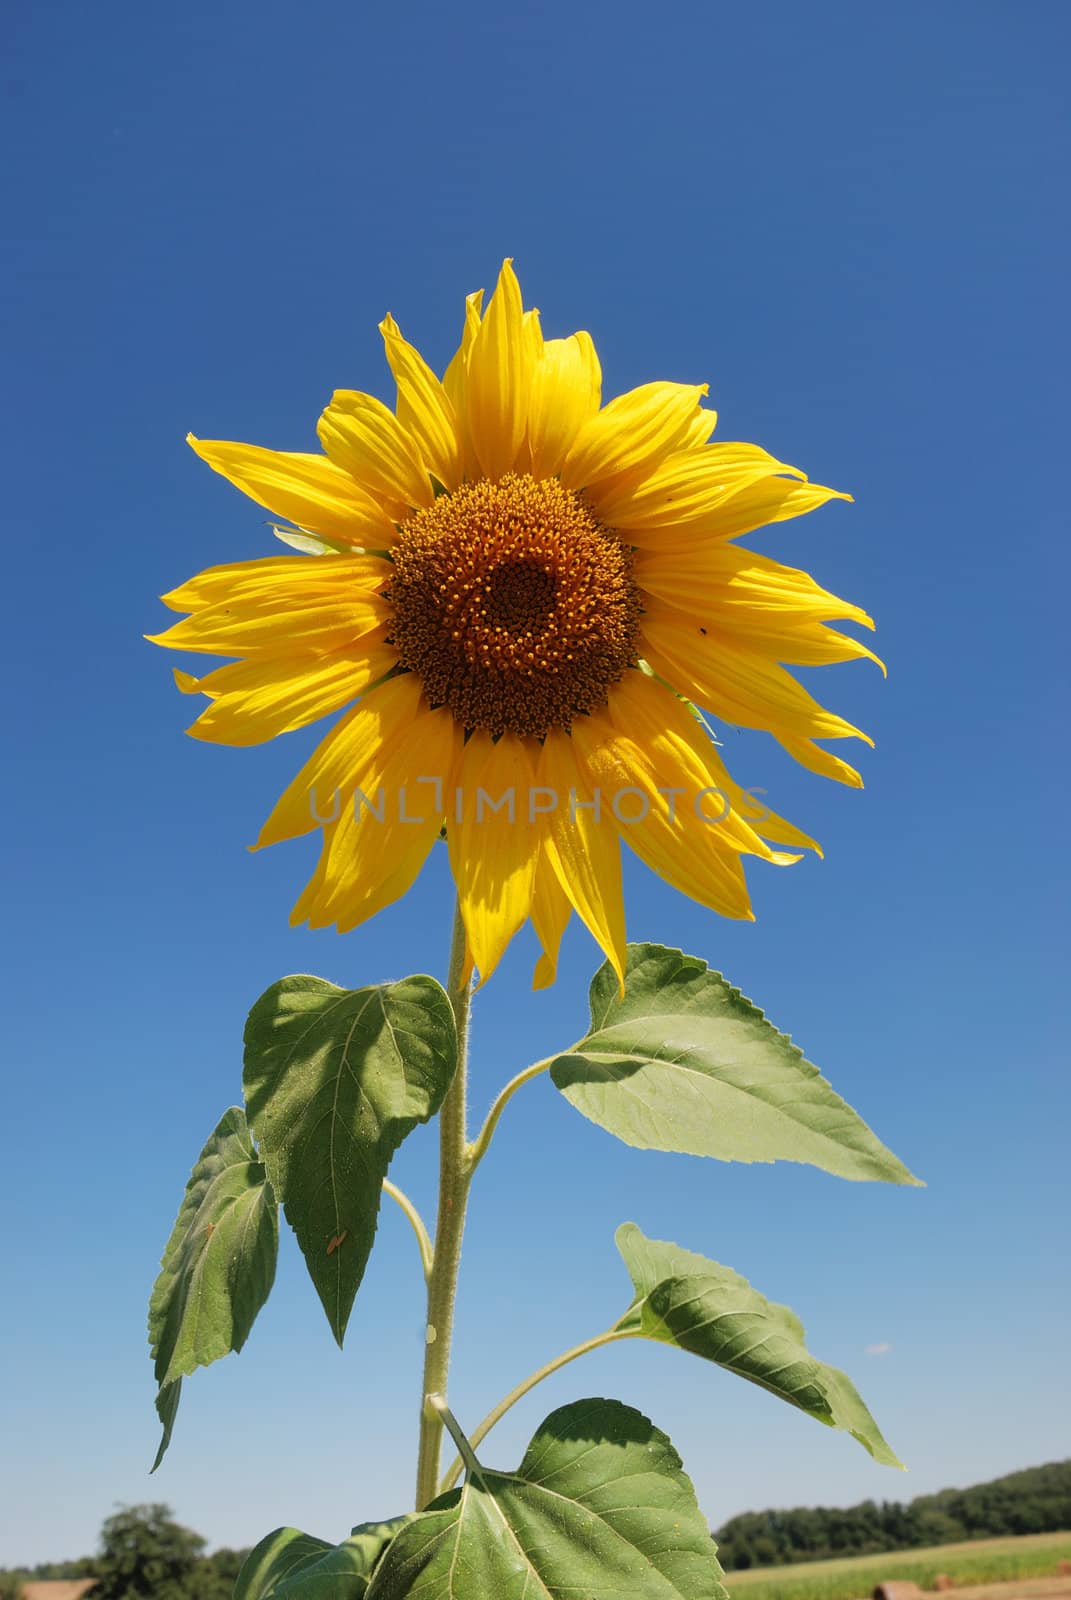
(275, 1560)
(683, 1062)
(167, 1402)
(218, 1267)
(698, 1305)
(295, 1565)
(599, 1509)
(334, 1081)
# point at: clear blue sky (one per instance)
(847, 218)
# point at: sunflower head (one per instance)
(518, 597)
(513, 605)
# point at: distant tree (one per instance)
(215, 1574)
(146, 1555)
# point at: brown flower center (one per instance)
(513, 604)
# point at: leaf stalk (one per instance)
(416, 1222)
(609, 1337)
(478, 1148)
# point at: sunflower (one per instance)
(519, 597)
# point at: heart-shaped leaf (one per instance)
(279, 1556)
(698, 1305)
(335, 1079)
(683, 1062)
(218, 1267)
(289, 1565)
(599, 1509)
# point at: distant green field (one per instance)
(980, 1561)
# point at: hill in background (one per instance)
(1035, 1501)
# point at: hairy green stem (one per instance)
(478, 1148)
(416, 1222)
(610, 1337)
(454, 1175)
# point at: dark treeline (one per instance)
(144, 1555)
(1035, 1501)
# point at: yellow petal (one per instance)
(455, 374)
(307, 489)
(550, 916)
(257, 613)
(355, 755)
(749, 822)
(737, 684)
(689, 486)
(362, 870)
(566, 389)
(630, 437)
(582, 848)
(255, 700)
(798, 641)
(455, 384)
(364, 437)
(498, 378)
(700, 429)
(373, 853)
(533, 344)
(424, 409)
(736, 582)
(493, 847)
(656, 792)
(778, 611)
(743, 827)
(311, 628)
(533, 337)
(749, 806)
(277, 579)
(769, 499)
(815, 759)
(673, 741)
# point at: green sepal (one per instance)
(309, 544)
(682, 1061)
(334, 1080)
(218, 1266)
(599, 1508)
(686, 1300)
